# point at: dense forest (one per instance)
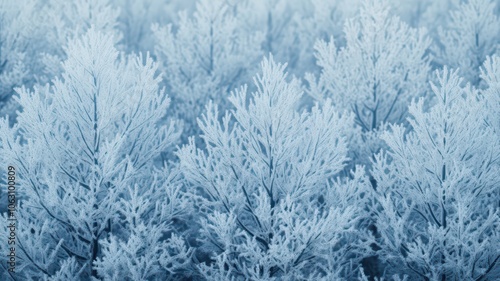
(250, 140)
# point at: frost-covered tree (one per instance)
(137, 17)
(271, 209)
(203, 57)
(84, 150)
(12, 69)
(32, 36)
(432, 14)
(141, 250)
(329, 17)
(17, 46)
(322, 20)
(65, 20)
(472, 34)
(437, 188)
(490, 73)
(382, 67)
(276, 20)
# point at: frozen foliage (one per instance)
(204, 57)
(382, 67)
(84, 146)
(75, 18)
(490, 73)
(15, 40)
(323, 19)
(146, 252)
(328, 17)
(12, 67)
(32, 37)
(275, 20)
(136, 18)
(271, 210)
(380, 172)
(437, 188)
(471, 34)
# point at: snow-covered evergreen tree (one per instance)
(32, 36)
(271, 186)
(17, 45)
(471, 35)
(66, 20)
(319, 20)
(437, 188)
(490, 73)
(203, 57)
(137, 17)
(275, 19)
(145, 246)
(382, 67)
(84, 150)
(271, 209)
